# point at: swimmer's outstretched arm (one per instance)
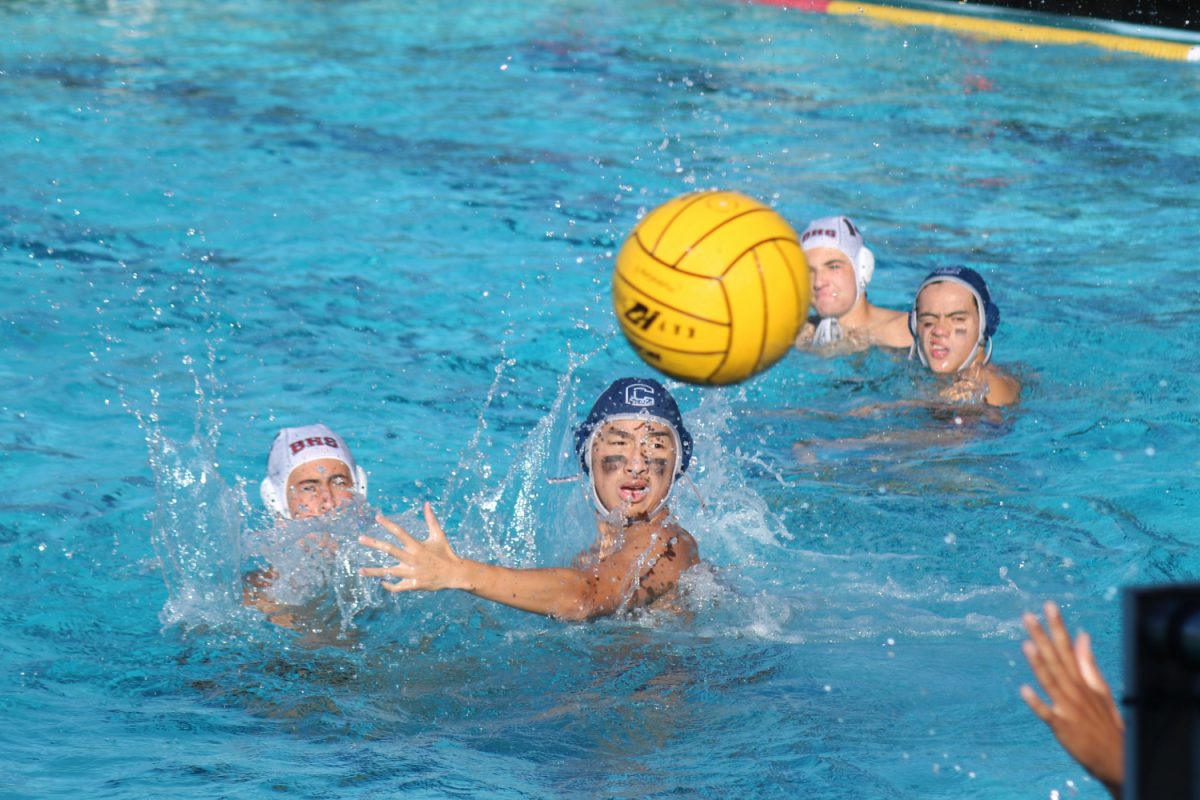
(1081, 713)
(565, 593)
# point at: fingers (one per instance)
(420, 565)
(1039, 708)
(401, 574)
(1086, 661)
(382, 546)
(1051, 655)
(398, 571)
(1058, 632)
(1095, 679)
(435, 527)
(395, 530)
(1034, 654)
(1053, 641)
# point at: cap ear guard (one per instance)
(272, 500)
(864, 267)
(991, 315)
(360, 482)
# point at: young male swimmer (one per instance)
(840, 266)
(632, 447)
(952, 322)
(310, 472)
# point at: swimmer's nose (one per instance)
(326, 499)
(638, 462)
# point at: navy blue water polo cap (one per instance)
(972, 280)
(635, 398)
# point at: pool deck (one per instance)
(1032, 27)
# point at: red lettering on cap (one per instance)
(313, 441)
(818, 232)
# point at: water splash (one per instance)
(520, 517)
(197, 521)
(303, 572)
(308, 579)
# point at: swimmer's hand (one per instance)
(1081, 713)
(967, 389)
(421, 566)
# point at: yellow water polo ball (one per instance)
(711, 287)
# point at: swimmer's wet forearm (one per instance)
(554, 591)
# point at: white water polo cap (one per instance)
(294, 447)
(842, 235)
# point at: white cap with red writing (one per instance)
(842, 235)
(294, 447)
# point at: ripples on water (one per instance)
(220, 220)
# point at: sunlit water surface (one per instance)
(217, 219)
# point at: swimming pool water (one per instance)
(218, 219)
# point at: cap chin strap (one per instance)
(919, 351)
(275, 499)
(606, 513)
(829, 329)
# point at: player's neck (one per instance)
(859, 315)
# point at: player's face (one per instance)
(319, 487)
(633, 465)
(947, 325)
(833, 285)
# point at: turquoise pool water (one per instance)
(222, 218)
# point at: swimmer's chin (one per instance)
(623, 515)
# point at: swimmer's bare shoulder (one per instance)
(665, 553)
(1003, 389)
(805, 336)
(889, 328)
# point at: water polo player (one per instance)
(310, 472)
(840, 266)
(953, 320)
(632, 447)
